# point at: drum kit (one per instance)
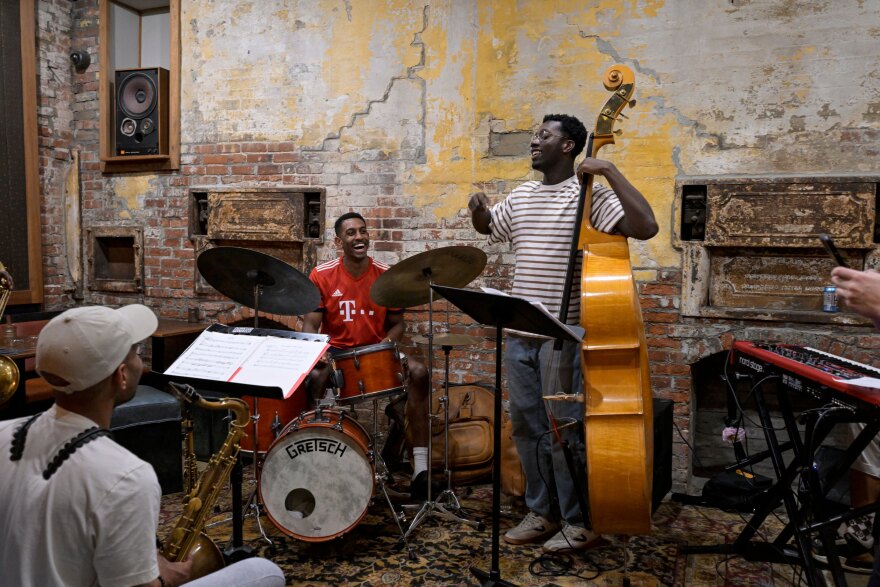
(320, 472)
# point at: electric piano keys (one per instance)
(810, 371)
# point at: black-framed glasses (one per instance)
(545, 134)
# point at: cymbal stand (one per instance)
(448, 494)
(252, 505)
(433, 507)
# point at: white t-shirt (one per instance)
(93, 522)
(538, 220)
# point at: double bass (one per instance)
(618, 402)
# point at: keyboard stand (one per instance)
(811, 516)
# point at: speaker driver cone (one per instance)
(147, 126)
(137, 95)
(127, 127)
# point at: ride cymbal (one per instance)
(234, 271)
(408, 283)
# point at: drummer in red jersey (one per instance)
(352, 319)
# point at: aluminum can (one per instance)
(829, 299)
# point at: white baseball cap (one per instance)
(83, 346)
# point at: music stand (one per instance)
(501, 311)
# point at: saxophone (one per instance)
(9, 374)
(187, 537)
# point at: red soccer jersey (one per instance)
(351, 318)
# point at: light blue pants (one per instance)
(534, 369)
(251, 572)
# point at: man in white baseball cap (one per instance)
(84, 346)
(78, 508)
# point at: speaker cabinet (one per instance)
(662, 450)
(141, 121)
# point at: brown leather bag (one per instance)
(471, 441)
(471, 411)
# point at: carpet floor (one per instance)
(444, 552)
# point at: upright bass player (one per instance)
(538, 218)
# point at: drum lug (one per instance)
(357, 361)
(361, 386)
(338, 425)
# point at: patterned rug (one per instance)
(444, 552)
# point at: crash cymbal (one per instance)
(408, 283)
(234, 271)
(449, 339)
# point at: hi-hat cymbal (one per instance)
(234, 271)
(408, 283)
(449, 339)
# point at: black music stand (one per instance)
(501, 311)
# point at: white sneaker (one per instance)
(572, 538)
(858, 530)
(533, 528)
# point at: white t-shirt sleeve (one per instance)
(125, 538)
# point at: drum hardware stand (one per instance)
(382, 475)
(377, 435)
(433, 507)
(252, 505)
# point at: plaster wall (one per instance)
(401, 109)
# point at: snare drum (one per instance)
(317, 479)
(368, 372)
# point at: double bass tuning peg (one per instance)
(617, 131)
(631, 104)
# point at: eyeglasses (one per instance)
(545, 134)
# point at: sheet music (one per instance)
(281, 362)
(214, 356)
(256, 360)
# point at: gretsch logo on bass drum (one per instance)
(307, 445)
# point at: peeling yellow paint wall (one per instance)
(742, 88)
(129, 192)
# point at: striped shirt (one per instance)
(538, 220)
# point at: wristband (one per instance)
(162, 581)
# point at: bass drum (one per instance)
(317, 479)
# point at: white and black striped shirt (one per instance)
(538, 220)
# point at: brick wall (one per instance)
(409, 153)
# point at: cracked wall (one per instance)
(753, 89)
(402, 108)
